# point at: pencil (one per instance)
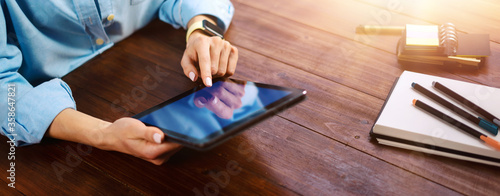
(486, 125)
(382, 30)
(466, 102)
(493, 143)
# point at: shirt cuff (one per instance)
(179, 13)
(36, 110)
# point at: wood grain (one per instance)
(51, 168)
(318, 147)
(255, 73)
(342, 129)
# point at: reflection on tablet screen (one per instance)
(205, 112)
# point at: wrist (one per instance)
(99, 136)
(198, 33)
(206, 27)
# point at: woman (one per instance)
(41, 41)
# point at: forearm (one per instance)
(78, 127)
(127, 135)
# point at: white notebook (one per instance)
(403, 125)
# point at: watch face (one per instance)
(213, 29)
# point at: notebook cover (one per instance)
(473, 45)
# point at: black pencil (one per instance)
(466, 102)
(493, 143)
(488, 126)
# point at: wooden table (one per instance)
(319, 147)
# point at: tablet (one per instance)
(204, 117)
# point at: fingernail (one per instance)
(200, 101)
(215, 100)
(209, 81)
(191, 76)
(157, 138)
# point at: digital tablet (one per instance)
(204, 117)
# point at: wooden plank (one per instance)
(347, 130)
(341, 128)
(248, 63)
(98, 84)
(367, 69)
(344, 129)
(290, 158)
(188, 172)
(332, 53)
(256, 173)
(108, 111)
(139, 80)
(47, 169)
(469, 17)
(6, 190)
(319, 166)
(155, 179)
(339, 18)
(347, 116)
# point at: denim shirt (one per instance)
(41, 41)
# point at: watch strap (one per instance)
(195, 26)
(206, 27)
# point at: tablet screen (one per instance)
(204, 114)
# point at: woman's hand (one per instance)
(126, 135)
(212, 56)
(131, 136)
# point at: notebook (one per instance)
(400, 124)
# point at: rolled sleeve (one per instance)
(32, 108)
(178, 13)
(36, 109)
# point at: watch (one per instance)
(207, 27)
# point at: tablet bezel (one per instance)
(295, 96)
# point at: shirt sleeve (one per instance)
(179, 12)
(27, 115)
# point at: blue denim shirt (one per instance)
(41, 41)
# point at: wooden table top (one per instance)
(319, 147)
